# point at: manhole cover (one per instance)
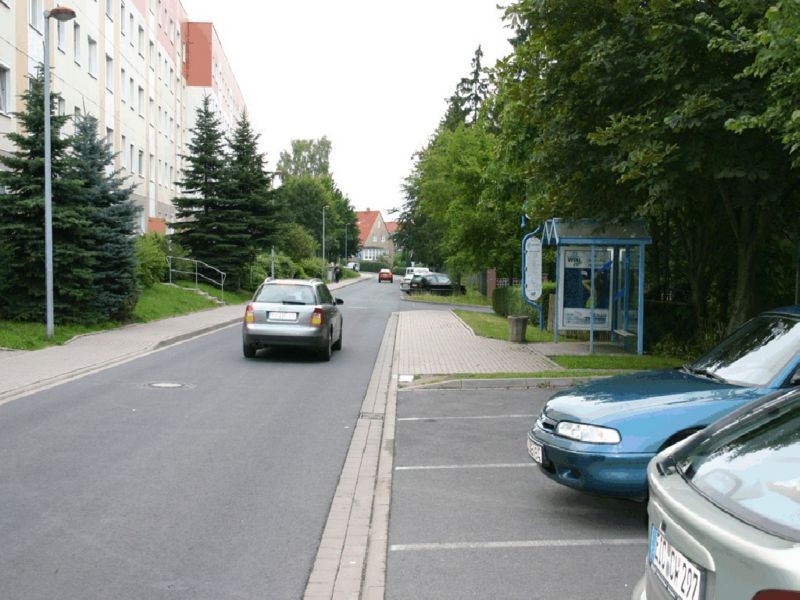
(166, 385)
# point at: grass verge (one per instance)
(471, 298)
(496, 327)
(632, 361)
(156, 302)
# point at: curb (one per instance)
(351, 557)
(472, 307)
(190, 334)
(522, 383)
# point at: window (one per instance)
(152, 165)
(132, 153)
(92, 56)
(152, 56)
(5, 89)
(131, 27)
(110, 137)
(36, 14)
(122, 18)
(109, 73)
(131, 90)
(61, 34)
(123, 155)
(159, 62)
(110, 9)
(77, 112)
(140, 44)
(172, 31)
(141, 163)
(76, 31)
(374, 238)
(123, 82)
(62, 107)
(141, 100)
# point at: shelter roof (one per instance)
(594, 232)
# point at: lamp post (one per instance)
(60, 13)
(324, 206)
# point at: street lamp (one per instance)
(59, 13)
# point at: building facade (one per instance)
(374, 237)
(140, 66)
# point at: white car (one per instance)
(405, 283)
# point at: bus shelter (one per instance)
(599, 278)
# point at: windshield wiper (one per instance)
(703, 373)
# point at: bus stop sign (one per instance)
(532, 252)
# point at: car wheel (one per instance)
(248, 350)
(338, 344)
(327, 351)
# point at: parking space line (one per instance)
(467, 418)
(519, 544)
(472, 466)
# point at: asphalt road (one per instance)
(471, 517)
(111, 488)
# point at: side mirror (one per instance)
(339, 301)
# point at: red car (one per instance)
(385, 275)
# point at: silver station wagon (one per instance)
(292, 313)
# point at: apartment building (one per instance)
(140, 66)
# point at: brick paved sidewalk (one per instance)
(438, 342)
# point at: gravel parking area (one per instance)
(471, 517)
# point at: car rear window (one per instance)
(286, 293)
(751, 468)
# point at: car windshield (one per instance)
(751, 467)
(286, 293)
(755, 353)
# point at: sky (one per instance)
(370, 75)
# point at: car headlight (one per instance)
(591, 434)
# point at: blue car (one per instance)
(599, 437)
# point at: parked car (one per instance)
(293, 312)
(353, 266)
(435, 283)
(599, 437)
(724, 511)
(385, 275)
(405, 282)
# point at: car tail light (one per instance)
(249, 314)
(777, 595)
(318, 317)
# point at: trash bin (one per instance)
(516, 328)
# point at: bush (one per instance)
(374, 266)
(508, 301)
(285, 268)
(151, 256)
(312, 267)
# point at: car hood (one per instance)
(616, 400)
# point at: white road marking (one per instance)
(473, 466)
(477, 417)
(519, 544)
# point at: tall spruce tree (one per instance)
(196, 227)
(113, 232)
(22, 268)
(250, 209)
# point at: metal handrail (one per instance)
(196, 272)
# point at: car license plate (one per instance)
(535, 450)
(683, 579)
(283, 316)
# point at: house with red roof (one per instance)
(374, 237)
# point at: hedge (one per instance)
(508, 301)
(373, 266)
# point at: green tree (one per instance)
(22, 269)
(249, 215)
(308, 158)
(297, 243)
(111, 237)
(464, 106)
(197, 228)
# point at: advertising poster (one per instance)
(575, 293)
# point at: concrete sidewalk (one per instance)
(22, 373)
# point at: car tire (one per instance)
(327, 351)
(248, 350)
(338, 344)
